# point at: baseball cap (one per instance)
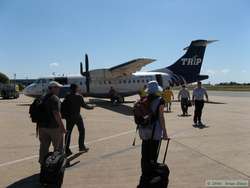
(54, 84)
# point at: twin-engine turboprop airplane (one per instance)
(126, 78)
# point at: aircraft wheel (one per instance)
(121, 99)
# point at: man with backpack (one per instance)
(50, 125)
(72, 105)
(149, 116)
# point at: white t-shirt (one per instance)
(198, 93)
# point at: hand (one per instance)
(165, 137)
(64, 131)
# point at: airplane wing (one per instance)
(130, 67)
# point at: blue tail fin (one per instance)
(189, 65)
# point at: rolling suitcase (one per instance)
(52, 170)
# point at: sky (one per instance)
(41, 37)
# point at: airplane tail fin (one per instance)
(189, 65)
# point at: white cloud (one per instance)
(243, 71)
(55, 64)
(225, 71)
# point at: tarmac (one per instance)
(220, 151)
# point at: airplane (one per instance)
(126, 78)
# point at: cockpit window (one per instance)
(38, 81)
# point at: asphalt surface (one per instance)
(220, 151)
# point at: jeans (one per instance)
(70, 123)
(48, 136)
(184, 105)
(148, 154)
(199, 104)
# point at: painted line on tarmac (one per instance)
(90, 142)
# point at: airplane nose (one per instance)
(28, 90)
(25, 91)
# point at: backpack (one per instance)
(38, 110)
(65, 111)
(143, 114)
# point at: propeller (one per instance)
(86, 73)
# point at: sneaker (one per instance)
(195, 124)
(200, 124)
(68, 152)
(83, 150)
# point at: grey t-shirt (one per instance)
(53, 104)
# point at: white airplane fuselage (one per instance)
(125, 86)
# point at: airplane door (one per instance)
(159, 79)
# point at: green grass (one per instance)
(221, 87)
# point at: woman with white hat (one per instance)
(151, 136)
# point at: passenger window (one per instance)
(129, 81)
(133, 81)
(120, 81)
(124, 81)
(109, 82)
(138, 81)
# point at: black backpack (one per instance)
(38, 110)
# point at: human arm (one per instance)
(84, 105)
(206, 95)
(58, 118)
(56, 111)
(162, 121)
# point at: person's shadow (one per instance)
(34, 180)
(28, 182)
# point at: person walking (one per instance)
(74, 102)
(153, 133)
(52, 129)
(168, 96)
(113, 95)
(184, 97)
(198, 99)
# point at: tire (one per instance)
(121, 99)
